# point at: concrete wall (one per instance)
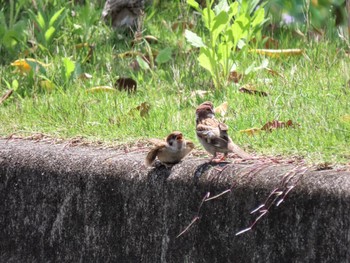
(82, 204)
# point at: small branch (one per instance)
(274, 197)
(188, 227)
(218, 195)
(6, 96)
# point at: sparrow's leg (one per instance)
(218, 160)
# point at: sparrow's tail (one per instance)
(236, 149)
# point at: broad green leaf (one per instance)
(233, 9)
(15, 84)
(69, 66)
(55, 16)
(143, 64)
(164, 55)
(224, 54)
(49, 33)
(258, 18)
(208, 16)
(206, 60)
(235, 33)
(193, 4)
(220, 23)
(40, 20)
(77, 70)
(194, 39)
(222, 6)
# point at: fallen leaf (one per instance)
(101, 89)
(250, 89)
(275, 124)
(85, 76)
(24, 67)
(148, 38)
(251, 131)
(276, 53)
(324, 166)
(274, 73)
(182, 25)
(126, 84)
(221, 109)
(268, 42)
(235, 76)
(143, 109)
(130, 54)
(6, 96)
(81, 45)
(199, 93)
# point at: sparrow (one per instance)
(170, 151)
(212, 134)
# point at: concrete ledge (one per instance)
(82, 204)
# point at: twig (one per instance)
(283, 190)
(6, 96)
(218, 195)
(185, 230)
(196, 217)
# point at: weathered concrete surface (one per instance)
(82, 204)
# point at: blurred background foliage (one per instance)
(318, 13)
(17, 29)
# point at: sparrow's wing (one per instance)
(231, 145)
(152, 155)
(189, 146)
(211, 135)
(213, 123)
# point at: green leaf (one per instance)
(222, 6)
(164, 55)
(193, 4)
(194, 39)
(15, 84)
(36, 67)
(55, 16)
(40, 20)
(206, 60)
(233, 9)
(69, 66)
(208, 16)
(49, 33)
(143, 64)
(220, 23)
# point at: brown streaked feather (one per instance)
(152, 155)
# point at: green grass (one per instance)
(314, 92)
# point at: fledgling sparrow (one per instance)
(170, 151)
(212, 134)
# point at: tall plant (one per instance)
(230, 26)
(46, 25)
